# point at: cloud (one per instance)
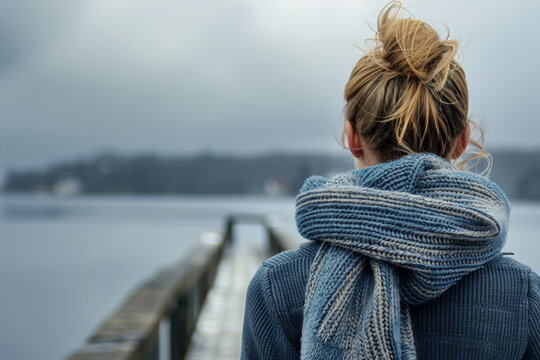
(236, 76)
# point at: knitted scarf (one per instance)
(394, 234)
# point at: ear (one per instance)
(355, 144)
(461, 143)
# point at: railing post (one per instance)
(229, 230)
(153, 351)
(183, 319)
(178, 336)
(271, 240)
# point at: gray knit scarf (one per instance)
(394, 234)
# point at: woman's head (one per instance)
(409, 94)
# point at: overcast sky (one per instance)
(230, 76)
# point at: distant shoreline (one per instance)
(517, 171)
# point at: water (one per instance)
(66, 263)
(524, 233)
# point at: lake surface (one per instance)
(66, 263)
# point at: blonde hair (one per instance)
(408, 94)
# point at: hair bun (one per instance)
(413, 48)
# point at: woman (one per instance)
(405, 256)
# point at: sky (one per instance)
(231, 76)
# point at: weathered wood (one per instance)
(177, 294)
(132, 332)
(278, 239)
(229, 228)
(114, 351)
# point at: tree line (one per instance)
(517, 171)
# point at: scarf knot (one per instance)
(394, 234)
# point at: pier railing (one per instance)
(278, 239)
(172, 300)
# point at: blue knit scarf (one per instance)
(394, 234)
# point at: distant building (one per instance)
(275, 186)
(67, 185)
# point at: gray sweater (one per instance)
(492, 313)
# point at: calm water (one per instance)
(65, 263)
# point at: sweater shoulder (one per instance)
(503, 277)
(486, 311)
(306, 252)
(508, 265)
(285, 276)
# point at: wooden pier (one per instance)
(193, 310)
